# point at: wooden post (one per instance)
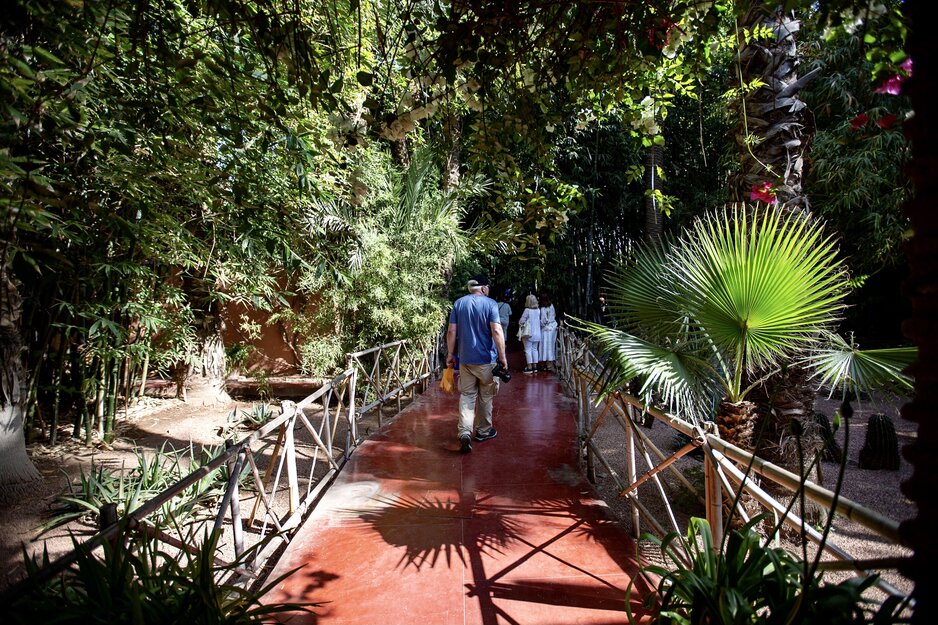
(376, 379)
(714, 497)
(289, 448)
(633, 472)
(275, 454)
(236, 529)
(352, 411)
(580, 422)
(397, 373)
(107, 516)
(588, 419)
(231, 492)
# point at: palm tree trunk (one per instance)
(17, 472)
(775, 125)
(210, 378)
(772, 137)
(653, 215)
(452, 127)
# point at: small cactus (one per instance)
(881, 447)
(832, 449)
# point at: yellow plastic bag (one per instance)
(448, 383)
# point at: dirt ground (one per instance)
(155, 422)
(149, 425)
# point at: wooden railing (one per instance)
(390, 372)
(727, 468)
(276, 473)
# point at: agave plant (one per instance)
(139, 580)
(751, 582)
(742, 294)
(153, 474)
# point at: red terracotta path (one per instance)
(414, 533)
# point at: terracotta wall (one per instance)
(270, 353)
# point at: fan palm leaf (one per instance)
(739, 292)
(642, 300)
(676, 375)
(842, 366)
(759, 285)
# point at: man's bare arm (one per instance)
(451, 345)
(499, 338)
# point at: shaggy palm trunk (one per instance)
(205, 380)
(786, 397)
(452, 127)
(772, 138)
(736, 422)
(17, 472)
(775, 125)
(210, 377)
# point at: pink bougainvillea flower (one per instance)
(859, 121)
(893, 84)
(886, 121)
(763, 193)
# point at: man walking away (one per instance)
(475, 327)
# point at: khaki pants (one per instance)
(477, 389)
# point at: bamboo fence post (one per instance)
(290, 453)
(232, 488)
(397, 374)
(590, 468)
(352, 410)
(714, 499)
(633, 473)
(582, 404)
(327, 420)
(236, 529)
(261, 497)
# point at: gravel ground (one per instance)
(877, 490)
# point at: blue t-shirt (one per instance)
(472, 315)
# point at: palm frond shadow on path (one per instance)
(414, 532)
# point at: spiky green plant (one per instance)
(741, 293)
(132, 488)
(138, 581)
(750, 582)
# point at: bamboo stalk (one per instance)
(58, 376)
(146, 369)
(99, 400)
(113, 380)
